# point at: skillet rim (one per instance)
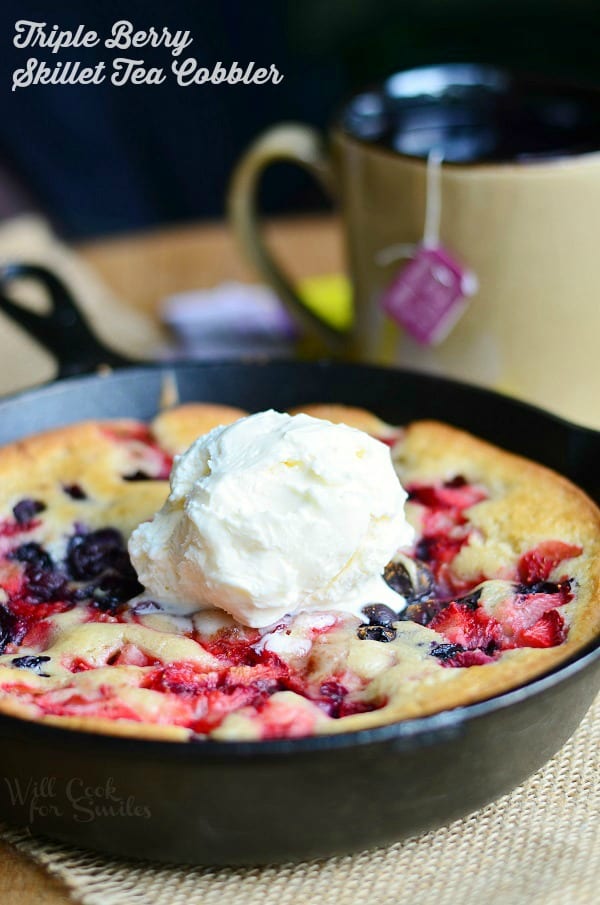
(422, 730)
(139, 368)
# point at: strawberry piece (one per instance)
(10, 527)
(445, 528)
(106, 707)
(155, 463)
(389, 441)
(469, 628)
(334, 700)
(78, 664)
(130, 655)
(468, 658)
(442, 522)
(548, 631)
(537, 564)
(282, 719)
(242, 686)
(37, 635)
(439, 549)
(13, 580)
(518, 613)
(133, 430)
(182, 678)
(32, 612)
(448, 496)
(234, 646)
(217, 704)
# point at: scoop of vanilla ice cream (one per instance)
(271, 515)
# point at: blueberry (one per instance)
(333, 690)
(333, 694)
(445, 651)
(43, 582)
(470, 601)
(543, 587)
(413, 586)
(379, 614)
(88, 555)
(456, 482)
(421, 612)
(8, 628)
(424, 547)
(75, 491)
(100, 559)
(33, 663)
(376, 633)
(45, 587)
(34, 555)
(112, 590)
(26, 510)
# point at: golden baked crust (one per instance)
(175, 429)
(356, 417)
(117, 668)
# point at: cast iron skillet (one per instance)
(258, 802)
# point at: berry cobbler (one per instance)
(272, 595)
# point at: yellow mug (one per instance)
(519, 193)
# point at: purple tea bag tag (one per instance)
(429, 294)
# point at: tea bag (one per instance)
(429, 294)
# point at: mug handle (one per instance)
(294, 143)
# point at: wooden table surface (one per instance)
(143, 269)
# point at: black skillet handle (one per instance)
(64, 331)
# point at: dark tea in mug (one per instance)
(475, 114)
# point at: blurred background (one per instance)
(100, 160)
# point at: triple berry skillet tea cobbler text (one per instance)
(495, 579)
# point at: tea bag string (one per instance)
(433, 215)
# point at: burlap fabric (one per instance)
(540, 845)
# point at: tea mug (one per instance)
(519, 197)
